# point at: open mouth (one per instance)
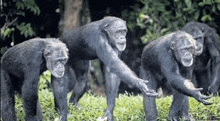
(121, 46)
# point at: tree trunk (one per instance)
(74, 13)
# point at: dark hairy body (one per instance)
(168, 63)
(207, 65)
(20, 71)
(101, 39)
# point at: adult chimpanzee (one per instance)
(167, 63)
(101, 39)
(20, 71)
(206, 69)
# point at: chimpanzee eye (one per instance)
(123, 32)
(63, 61)
(183, 51)
(117, 32)
(191, 50)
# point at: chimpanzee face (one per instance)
(183, 47)
(199, 37)
(56, 58)
(117, 34)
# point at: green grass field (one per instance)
(128, 107)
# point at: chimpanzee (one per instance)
(101, 39)
(167, 62)
(20, 71)
(206, 71)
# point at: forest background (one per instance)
(146, 20)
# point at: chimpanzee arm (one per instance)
(106, 53)
(214, 76)
(171, 71)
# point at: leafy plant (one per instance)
(160, 17)
(14, 14)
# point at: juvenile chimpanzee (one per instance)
(20, 71)
(206, 71)
(101, 39)
(167, 63)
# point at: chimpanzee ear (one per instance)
(46, 53)
(172, 45)
(106, 26)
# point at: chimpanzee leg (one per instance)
(203, 80)
(112, 83)
(149, 101)
(214, 78)
(81, 68)
(180, 109)
(39, 112)
(30, 96)
(60, 90)
(7, 98)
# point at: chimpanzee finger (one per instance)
(207, 103)
(199, 89)
(146, 81)
(203, 98)
(207, 97)
(150, 93)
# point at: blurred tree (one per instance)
(74, 13)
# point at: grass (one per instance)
(128, 107)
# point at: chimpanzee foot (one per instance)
(109, 115)
(213, 90)
(182, 118)
(102, 119)
(187, 118)
(78, 106)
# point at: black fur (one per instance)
(162, 64)
(207, 65)
(92, 41)
(20, 71)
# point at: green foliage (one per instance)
(45, 80)
(13, 14)
(160, 17)
(128, 107)
(28, 5)
(25, 29)
(7, 32)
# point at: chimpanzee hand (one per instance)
(200, 97)
(213, 89)
(141, 84)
